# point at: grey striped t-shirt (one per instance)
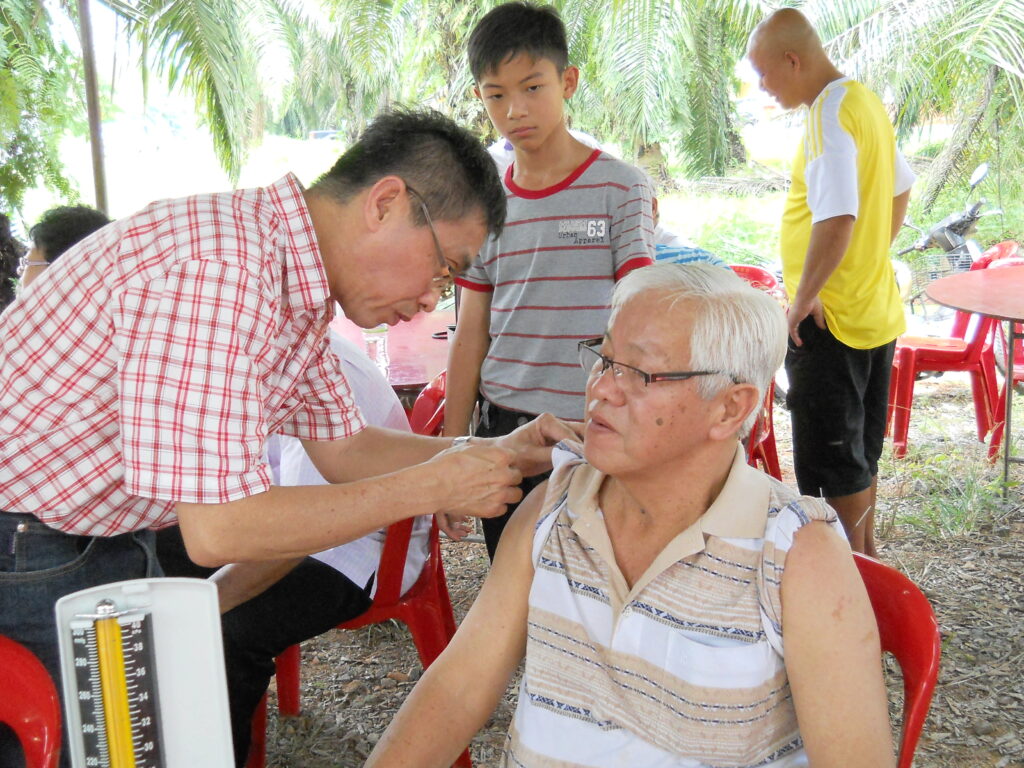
(551, 275)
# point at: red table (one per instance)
(997, 293)
(415, 355)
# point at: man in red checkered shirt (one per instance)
(142, 373)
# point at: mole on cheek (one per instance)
(659, 421)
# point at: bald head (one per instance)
(789, 58)
(787, 30)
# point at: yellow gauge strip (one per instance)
(115, 693)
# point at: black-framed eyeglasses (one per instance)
(627, 376)
(445, 280)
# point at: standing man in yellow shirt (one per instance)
(847, 201)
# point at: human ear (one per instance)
(381, 200)
(570, 81)
(735, 404)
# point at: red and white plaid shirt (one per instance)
(149, 364)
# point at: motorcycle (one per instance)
(951, 238)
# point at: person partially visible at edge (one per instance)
(847, 201)
(11, 254)
(140, 385)
(675, 606)
(578, 220)
(57, 230)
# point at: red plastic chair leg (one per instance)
(427, 629)
(288, 672)
(1000, 425)
(982, 408)
(904, 400)
(258, 738)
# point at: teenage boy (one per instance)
(578, 221)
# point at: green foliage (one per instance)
(739, 230)
(660, 73)
(37, 103)
(945, 493)
(654, 73)
(1000, 194)
(711, 145)
(209, 48)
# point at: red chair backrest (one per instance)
(1004, 250)
(29, 704)
(1010, 261)
(908, 630)
(758, 277)
(427, 415)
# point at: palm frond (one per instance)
(203, 46)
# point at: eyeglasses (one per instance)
(631, 380)
(445, 280)
(23, 263)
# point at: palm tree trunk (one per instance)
(92, 102)
(952, 154)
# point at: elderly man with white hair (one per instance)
(675, 606)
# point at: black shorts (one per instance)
(837, 402)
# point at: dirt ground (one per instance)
(354, 682)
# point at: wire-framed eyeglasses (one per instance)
(24, 263)
(628, 377)
(445, 280)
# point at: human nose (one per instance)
(428, 301)
(603, 384)
(516, 106)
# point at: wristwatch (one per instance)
(459, 441)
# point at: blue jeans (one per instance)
(38, 565)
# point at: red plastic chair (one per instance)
(908, 630)
(915, 354)
(427, 415)
(29, 704)
(1004, 250)
(761, 278)
(761, 451)
(426, 608)
(1000, 354)
(955, 353)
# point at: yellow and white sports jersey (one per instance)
(848, 164)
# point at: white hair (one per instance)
(737, 329)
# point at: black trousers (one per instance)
(495, 422)
(307, 602)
